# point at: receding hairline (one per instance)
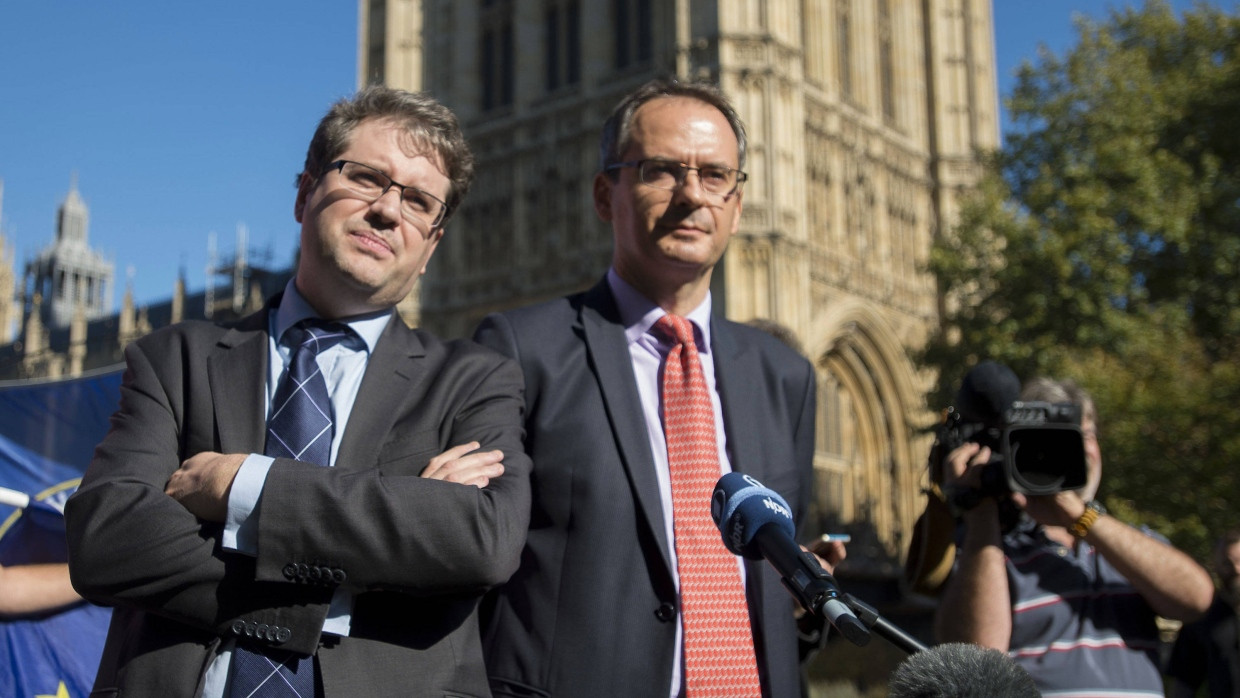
(663, 100)
(617, 129)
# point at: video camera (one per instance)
(1037, 447)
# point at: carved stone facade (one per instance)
(864, 117)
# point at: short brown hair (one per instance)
(429, 123)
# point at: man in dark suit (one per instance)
(222, 552)
(607, 599)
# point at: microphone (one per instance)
(987, 391)
(756, 523)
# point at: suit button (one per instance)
(238, 628)
(250, 629)
(665, 612)
(283, 635)
(263, 632)
(316, 573)
(290, 571)
(303, 570)
(338, 576)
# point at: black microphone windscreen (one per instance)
(960, 670)
(986, 392)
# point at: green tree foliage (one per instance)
(1104, 245)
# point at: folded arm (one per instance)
(388, 528)
(133, 544)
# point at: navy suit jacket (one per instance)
(418, 554)
(593, 609)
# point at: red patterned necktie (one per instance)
(719, 653)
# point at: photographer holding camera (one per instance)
(1067, 591)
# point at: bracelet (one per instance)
(1093, 510)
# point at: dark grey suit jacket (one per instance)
(417, 553)
(593, 609)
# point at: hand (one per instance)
(963, 487)
(1059, 509)
(829, 553)
(460, 465)
(964, 466)
(202, 483)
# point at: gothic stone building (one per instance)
(57, 323)
(864, 119)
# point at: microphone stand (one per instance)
(811, 585)
(885, 628)
(820, 594)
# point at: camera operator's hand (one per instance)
(1060, 509)
(964, 466)
(963, 486)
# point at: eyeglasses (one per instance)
(424, 210)
(667, 174)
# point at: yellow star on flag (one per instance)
(61, 692)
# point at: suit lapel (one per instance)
(609, 355)
(237, 374)
(738, 383)
(737, 377)
(392, 378)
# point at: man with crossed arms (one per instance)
(238, 564)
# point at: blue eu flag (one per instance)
(48, 431)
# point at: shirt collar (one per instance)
(294, 308)
(638, 313)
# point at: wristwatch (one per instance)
(1093, 510)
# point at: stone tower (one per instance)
(864, 120)
(68, 274)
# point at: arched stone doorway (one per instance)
(871, 443)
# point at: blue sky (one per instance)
(180, 119)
